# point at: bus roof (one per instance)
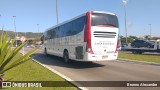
(103, 12)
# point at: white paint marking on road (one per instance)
(63, 76)
(121, 60)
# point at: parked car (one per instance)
(124, 45)
(142, 43)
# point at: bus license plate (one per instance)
(104, 57)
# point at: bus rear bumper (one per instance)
(93, 57)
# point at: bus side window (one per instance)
(73, 30)
(48, 35)
(45, 36)
(52, 33)
(79, 24)
(57, 32)
(68, 28)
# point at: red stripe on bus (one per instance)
(87, 33)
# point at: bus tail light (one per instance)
(88, 48)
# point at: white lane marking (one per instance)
(123, 60)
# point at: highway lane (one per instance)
(104, 71)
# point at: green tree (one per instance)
(8, 54)
(132, 38)
(129, 39)
(123, 39)
(146, 37)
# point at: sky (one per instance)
(29, 13)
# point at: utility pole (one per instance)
(124, 3)
(57, 10)
(144, 32)
(38, 29)
(150, 29)
(0, 16)
(2, 25)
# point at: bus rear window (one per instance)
(104, 19)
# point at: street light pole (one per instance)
(125, 2)
(15, 29)
(144, 32)
(150, 29)
(125, 24)
(0, 15)
(2, 25)
(57, 10)
(38, 29)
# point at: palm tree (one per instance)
(8, 54)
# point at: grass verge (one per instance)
(31, 71)
(139, 57)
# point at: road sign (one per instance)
(22, 39)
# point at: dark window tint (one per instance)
(61, 30)
(58, 32)
(77, 26)
(48, 34)
(68, 29)
(53, 33)
(45, 35)
(104, 19)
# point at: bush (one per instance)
(8, 54)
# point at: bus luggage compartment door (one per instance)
(79, 52)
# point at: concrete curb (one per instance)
(61, 75)
(121, 59)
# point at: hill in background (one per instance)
(19, 34)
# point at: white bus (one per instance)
(92, 36)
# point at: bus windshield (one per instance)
(104, 19)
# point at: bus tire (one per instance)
(45, 52)
(66, 57)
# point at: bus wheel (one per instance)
(66, 57)
(45, 52)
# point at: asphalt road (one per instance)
(104, 71)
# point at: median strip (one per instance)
(63, 76)
(150, 59)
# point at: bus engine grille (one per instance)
(102, 34)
